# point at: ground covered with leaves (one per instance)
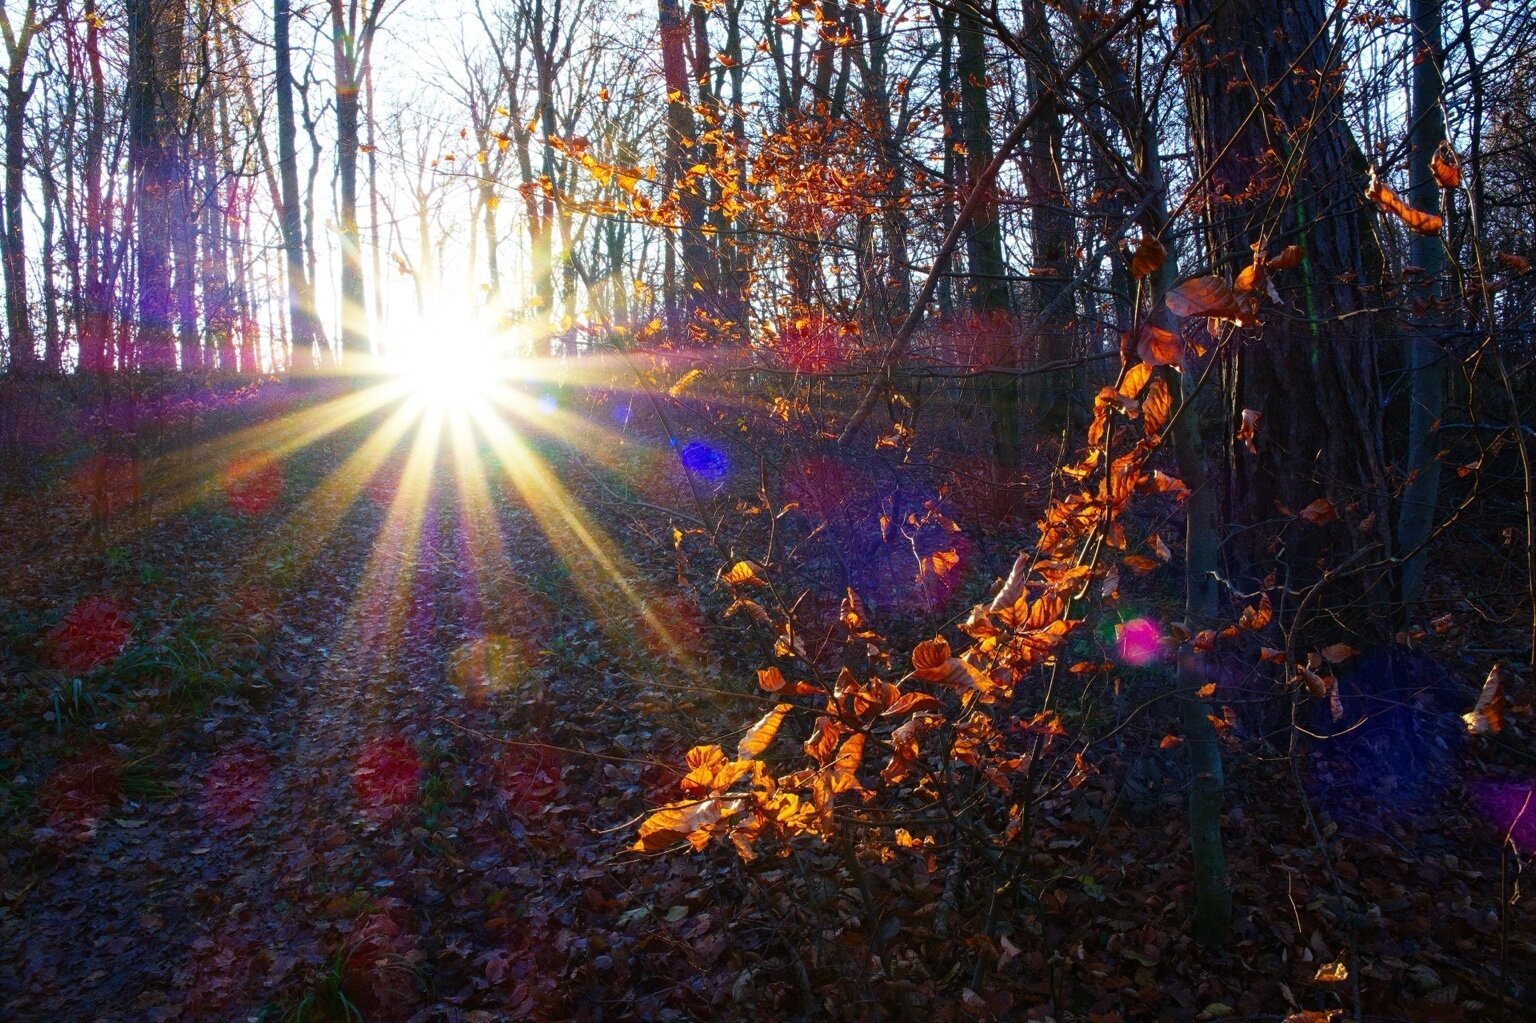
(295, 738)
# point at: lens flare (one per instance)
(1139, 641)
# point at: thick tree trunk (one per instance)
(1328, 445)
(301, 293)
(989, 292)
(18, 319)
(154, 105)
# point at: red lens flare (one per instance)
(385, 780)
(93, 633)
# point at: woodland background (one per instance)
(580, 510)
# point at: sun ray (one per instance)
(579, 541)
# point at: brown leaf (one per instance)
(1319, 513)
(740, 574)
(1415, 220)
(1169, 741)
(912, 703)
(1519, 264)
(1156, 346)
(1338, 653)
(1332, 973)
(1315, 1016)
(1256, 617)
(1206, 691)
(676, 822)
(761, 734)
(1135, 379)
(1204, 296)
(1149, 255)
(1446, 173)
(1487, 717)
(1248, 428)
(1290, 257)
(928, 659)
(1156, 407)
(771, 679)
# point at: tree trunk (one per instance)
(1426, 371)
(301, 293)
(154, 105)
(989, 292)
(1327, 446)
(18, 320)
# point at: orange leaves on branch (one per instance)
(1257, 616)
(1487, 716)
(1414, 220)
(933, 663)
(679, 822)
(1147, 257)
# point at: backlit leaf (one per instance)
(761, 734)
(1414, 220)
(1447, 174)
(1157, 346)
(1148, 257)
(1487, 716)
(1204, 296)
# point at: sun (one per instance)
(451, 368)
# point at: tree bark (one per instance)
(154, 106)
(1329, 445)
(1426, 370)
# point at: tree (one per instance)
(155, 106)
(353, 26)
(301, 289)
(1277, 164)
(13, 244)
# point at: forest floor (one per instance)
(376, 747)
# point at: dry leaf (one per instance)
(1487, 717)
(1149, 255)
(1157, 346)
(1204, 296)
(761, 734)
(1319, 513)
(1248, 428)
(1446, 173)
(1289, 258)
(1332, 973)
(1415, 220)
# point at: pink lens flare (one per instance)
(1511, 808)
(1139, 641)
(235, 787)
